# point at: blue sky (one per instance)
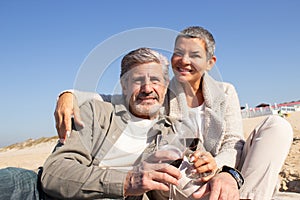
(43, 44)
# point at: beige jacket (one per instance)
(73, 172)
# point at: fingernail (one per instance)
(193, 171)
(192, 158)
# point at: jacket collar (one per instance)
(213, 94)
(214, 98)
(213, 91)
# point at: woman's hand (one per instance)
(204, 162)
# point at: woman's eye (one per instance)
(195, 56)
(178, 54)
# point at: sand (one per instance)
(28, 157)
(32, 154)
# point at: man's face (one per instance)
(145, 89)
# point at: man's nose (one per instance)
(147, 87)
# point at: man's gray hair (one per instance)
(203, 34)
(142, 56)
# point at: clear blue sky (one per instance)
(44, 43)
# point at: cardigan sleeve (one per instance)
(232, 139)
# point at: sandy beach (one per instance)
(31, 154)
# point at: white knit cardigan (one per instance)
(223, 131)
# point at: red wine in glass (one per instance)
(192, 143)
(176, 163)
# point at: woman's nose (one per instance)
(186, 59)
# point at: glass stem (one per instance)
(171, 192)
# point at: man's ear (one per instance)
(124, 86)
(211, 62)
(166, 86)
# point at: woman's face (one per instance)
(189, 60)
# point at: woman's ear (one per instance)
(211, 62)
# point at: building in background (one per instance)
(282, 109)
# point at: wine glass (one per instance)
(188, 129)
(190, 132)
(173, 147)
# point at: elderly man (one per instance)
(97, 161)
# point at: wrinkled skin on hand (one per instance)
(66, 108)
(151, 174)
(221, 187)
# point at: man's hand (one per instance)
(149, 176)
(66, 107)
(221, 187)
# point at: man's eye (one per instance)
(137, 81)
(155, 80)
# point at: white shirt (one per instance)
(196, 116)
(129, 145)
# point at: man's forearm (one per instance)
(80, 182)
(83, 96)
(69, 173)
